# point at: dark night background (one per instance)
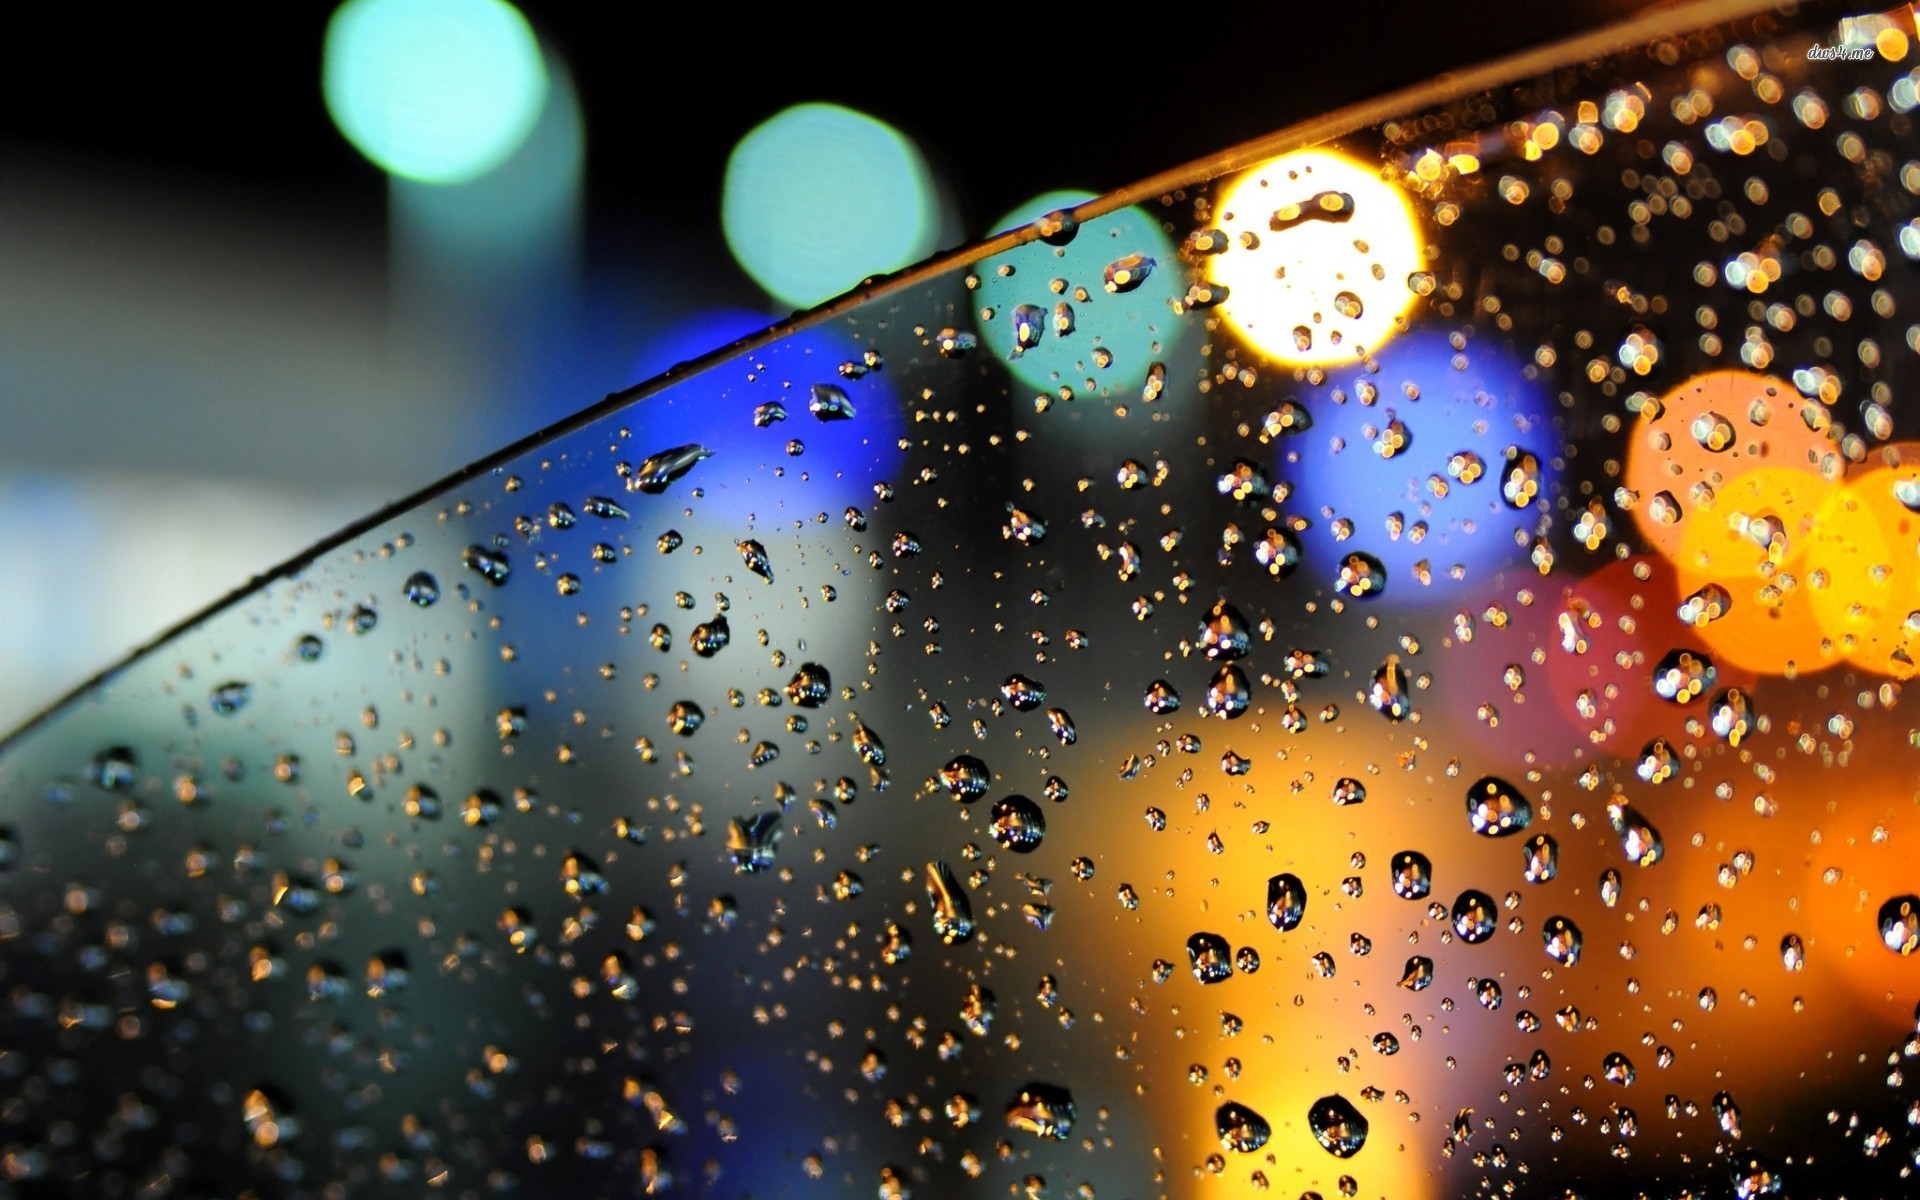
(219, 341)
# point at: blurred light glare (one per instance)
(1319, 254)
(819, 197)
(439, 91)
(1136, 328)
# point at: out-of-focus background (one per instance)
(264, 270)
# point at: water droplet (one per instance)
(1562, 940)
(1060, 725)
(829, 403)
(685, 717)
(1638, 837)
(1712, 432)
(1474, 916)
(1210, 957)
(952, 913)
(1520, 478)
(1412, 875)
(1617, 1068)
(1240, 1128)
(1330, 206)
(229, 698)
(660, 470)
(965, 778)
(1732, 716)
(1390, 694)
(1018, 824)
(1793, 952)
(1161, 698)
(1348, 790)
(1362, 576)
(1900, 924)
(1228, 695)
(1127, 273)
(1225, 635)
(1286, 901)
(1658, 762)
(810, 686)
(490, 565)
(711, 637)
(1417, 975)
(1542, 861)
(1337, 1125)
(422, 589)
(1023, 693)
(1682, 676)
(1754, 1176)
(1706, 605)
(1495, 808)
(767, 414)
(754, 556)
(1277, 552)
(1043, 1110)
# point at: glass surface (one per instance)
(1410, 703)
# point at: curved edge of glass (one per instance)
(1442, 89)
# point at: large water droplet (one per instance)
(1562, 939)
(1337, 1125)
(1495, 808)
(810, 686)
(1229, 694)
(1900, 924)
(1683, 676)
(1542, 861)
(751, 841)
(952, 912)
(754, 556)
(1225, 634)
(829, 403)
(965, 778)
(422, 589)
(1210, 957)
(1391, 692)
(1023, 693)
(1018, 824)
(1638, 837)
(1240, 1128)
(1043, 1110)
(1412, 875)
(660, 470)
(1361, 576)
(1286, 901)
(1474, 916)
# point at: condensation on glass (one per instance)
(1383, 678)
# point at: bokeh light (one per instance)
(1755, 543)
(1870, 573)
(1111, 339)
(440, 91)
(1689, 442)
(1316, 257)
(1468, 404)
(819, 197)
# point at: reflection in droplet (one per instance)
(1337, 1125)
(1286, 901)
(1474, 916)
(1495, 808)
(1412, 875)
(1240, 1128)
(1900, 924)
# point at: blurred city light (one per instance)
(818, 197)
(1086, 339)
(440, 91)
(1317, 255)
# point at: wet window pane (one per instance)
(1375, 672)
